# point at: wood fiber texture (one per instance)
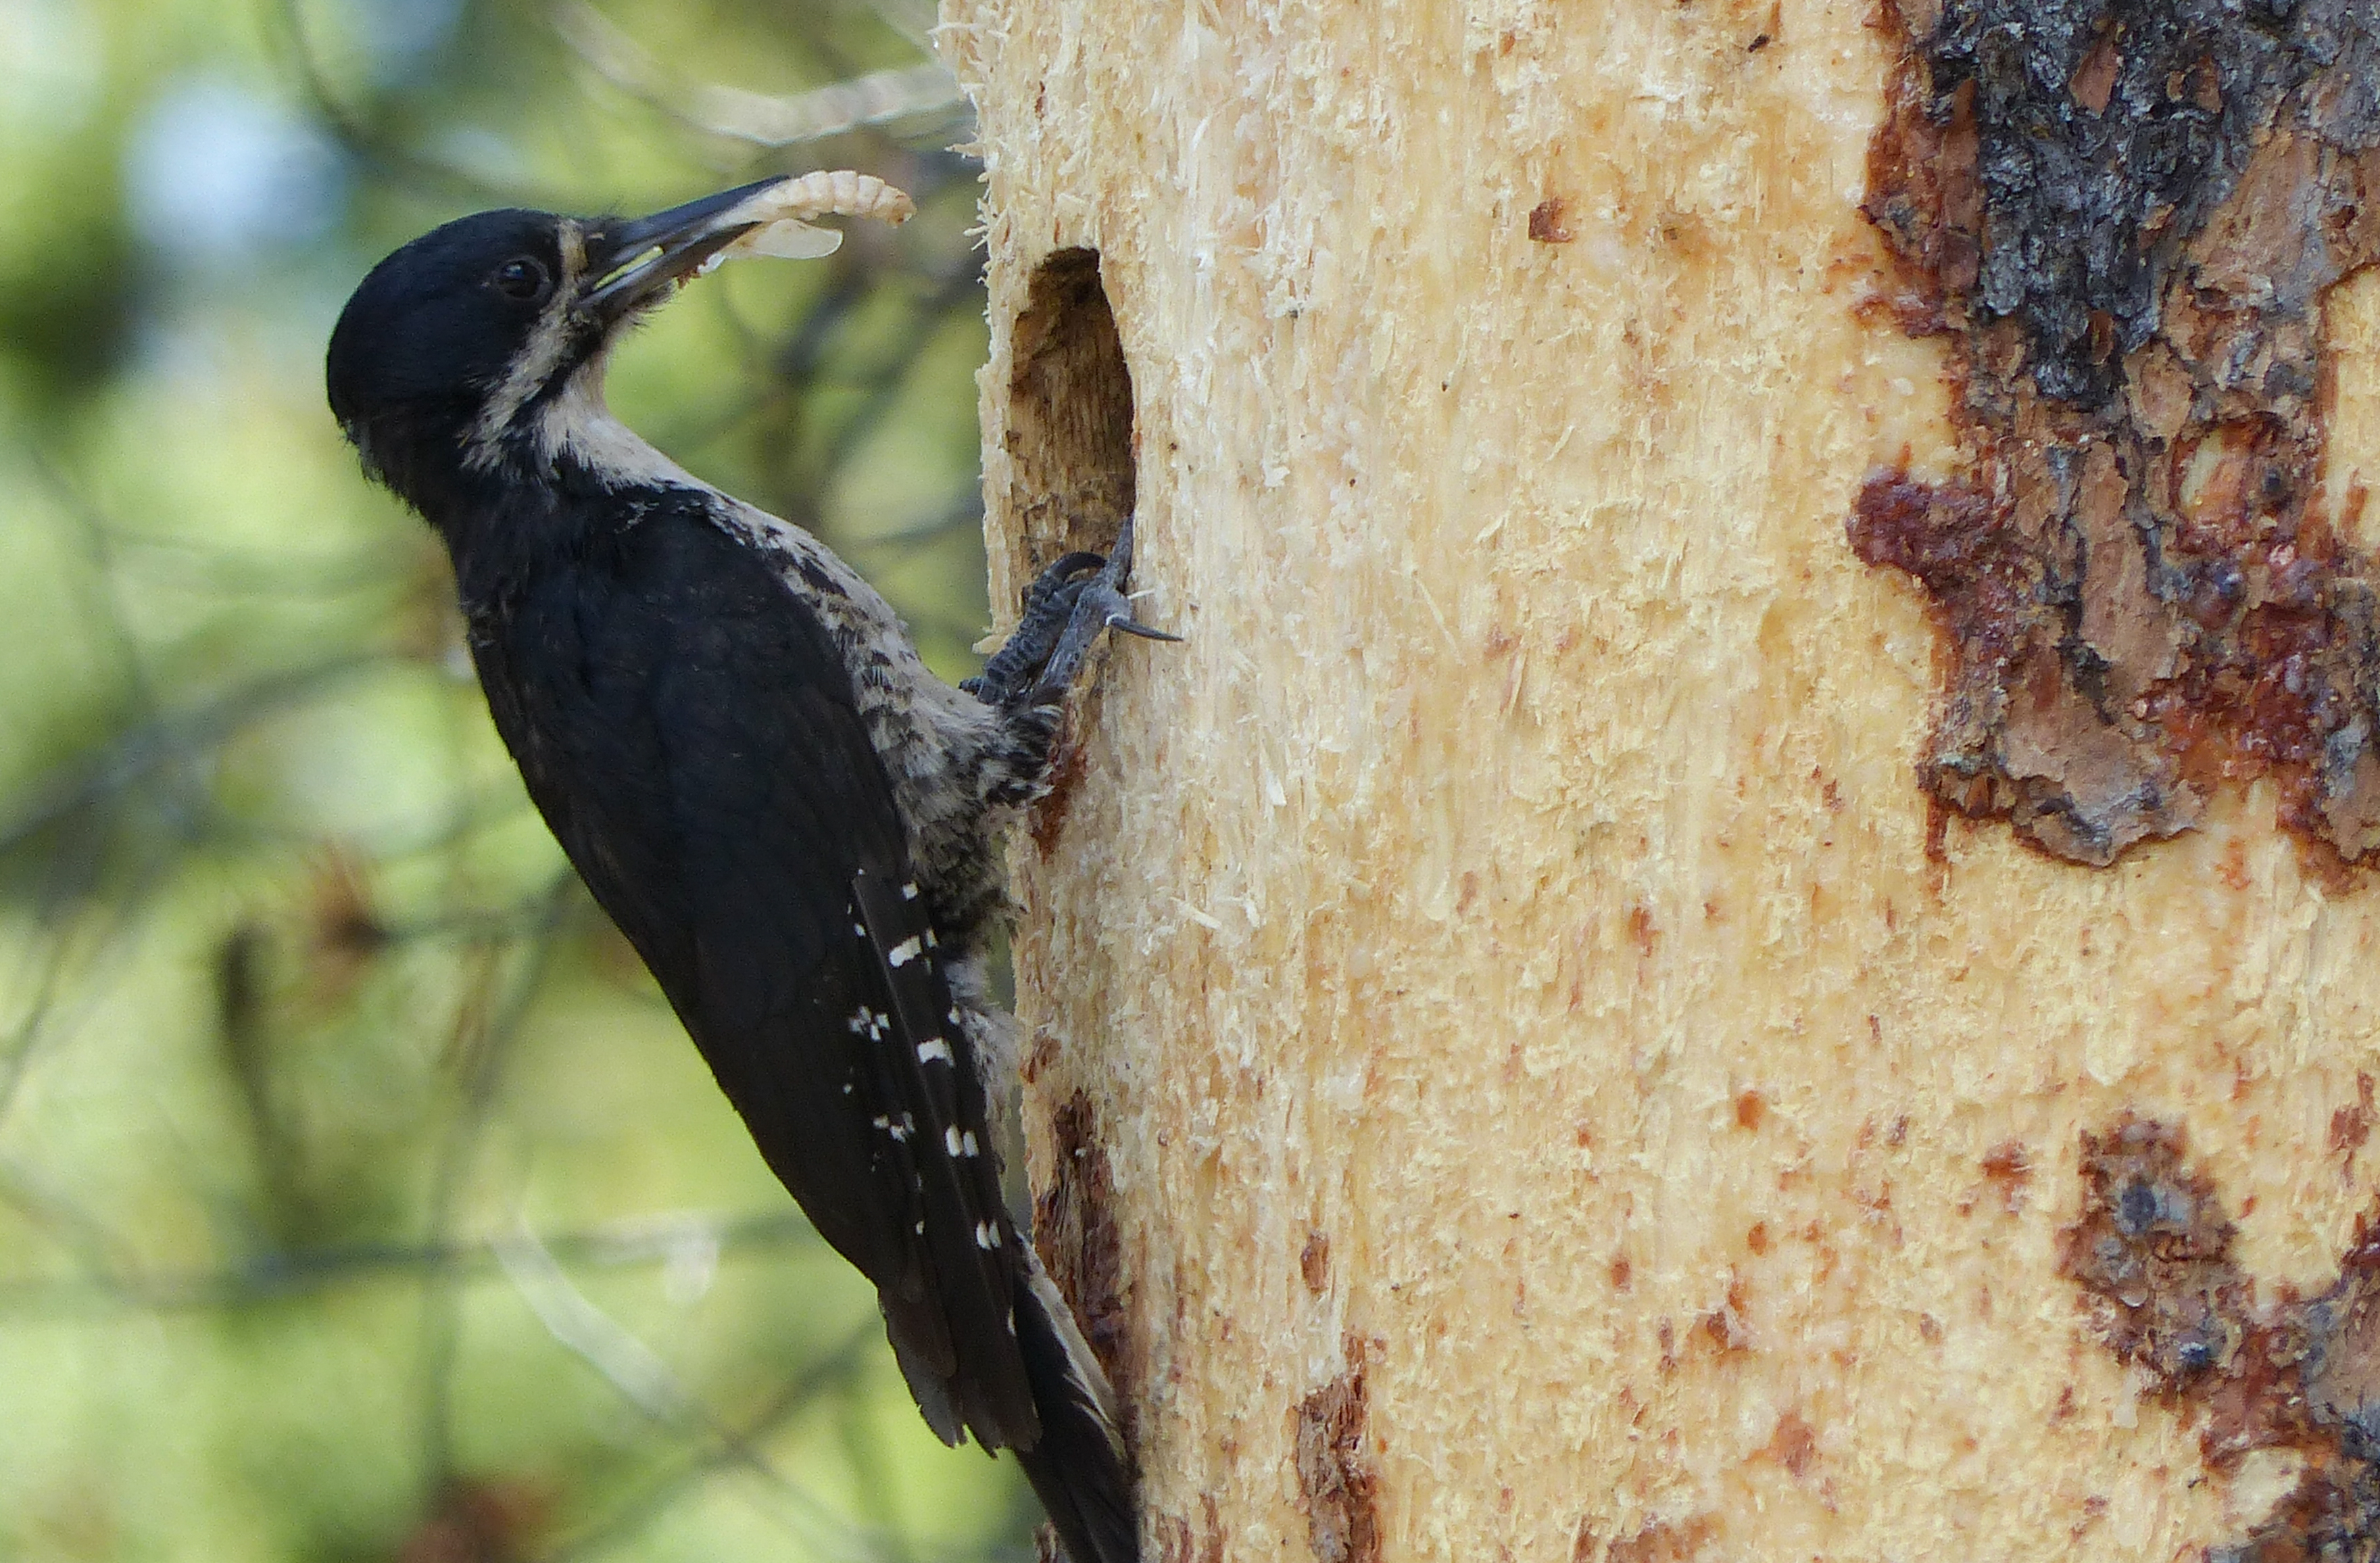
(1521, 1067)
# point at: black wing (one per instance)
(689, 732)
(928, 1064)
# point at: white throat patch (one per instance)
(577, 423)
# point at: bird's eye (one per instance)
(521, 278)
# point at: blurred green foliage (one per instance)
(359, 1196)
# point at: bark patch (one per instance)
(1314, 1263)
(1074, 1229)
(1335, 1474)
(1657, 1541)
(1178, 1543)
(2350, 1127)
(2152, 1253)
(1549, 222)
(1794, 1445)
(2009, 1165)
(2123, 216)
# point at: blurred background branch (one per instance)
(359, 1196)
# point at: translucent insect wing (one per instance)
(789, 240)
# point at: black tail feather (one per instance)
(1078, 1467)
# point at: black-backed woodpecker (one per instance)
(795, 823)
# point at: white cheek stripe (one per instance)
(484, 446)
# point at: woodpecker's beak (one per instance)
(630, 262)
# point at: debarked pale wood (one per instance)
(1546, 1102)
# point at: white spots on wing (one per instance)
(968, 1146)
(951, 1140)
(920, 1228)
(904, 952)
(954, 1015)
(870, 1021)
(908, 892)
(987, 1236)
(859, 930)
(933, 1049)
(930, 938)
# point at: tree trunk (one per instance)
(1741, 930)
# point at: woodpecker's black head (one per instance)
(454, 353)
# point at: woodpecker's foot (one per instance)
(1048, 604)
(1068, 607)
(1100, 606)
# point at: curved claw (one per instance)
(1133, 627)
(1114, 610)
(1065, 613)
(1100, 607)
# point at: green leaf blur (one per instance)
(359, 1198)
